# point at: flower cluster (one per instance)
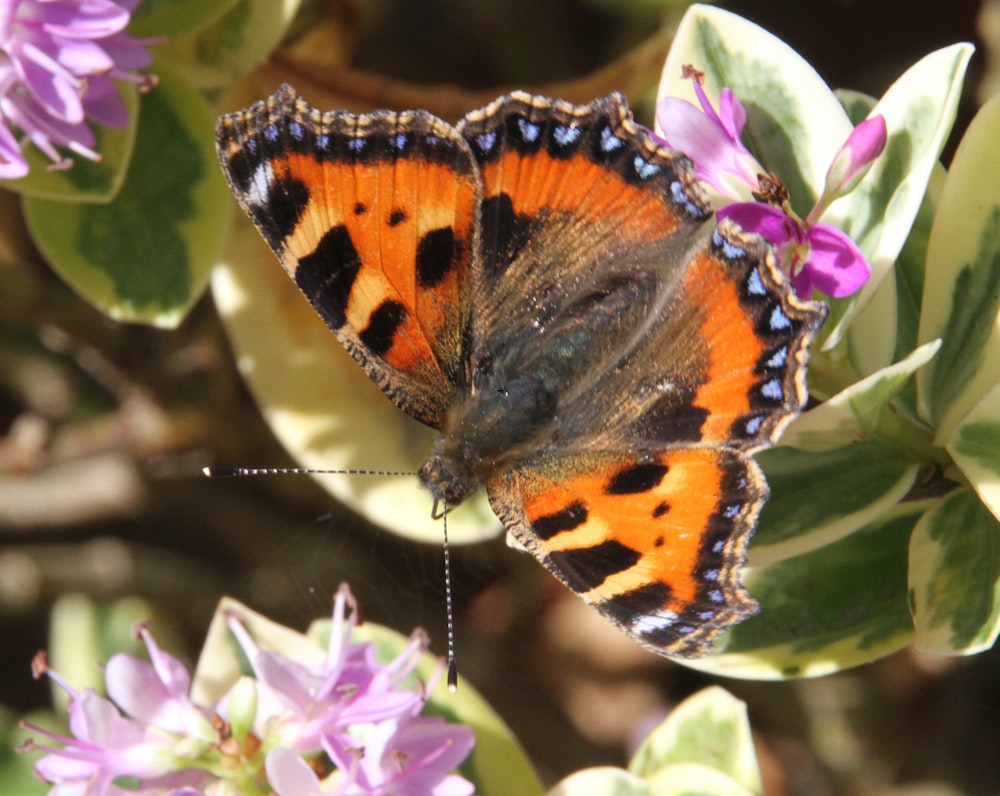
(816, 255)
(58, 61)
(344, 725)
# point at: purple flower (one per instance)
(409, 756)
(348, 687)
(104, 746)
(348, 714)
(855, 157)
(156, 693)
(710, 138)
(820, 257)
(816, 256)
(57, 61)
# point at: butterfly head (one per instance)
(446, 482)
(487, 433)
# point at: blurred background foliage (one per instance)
(106, 426)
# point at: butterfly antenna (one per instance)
(452, 665)
(231, 472)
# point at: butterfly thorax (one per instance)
(486, 433)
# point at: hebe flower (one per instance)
(346, 725)
(58, 60)
(815, 255)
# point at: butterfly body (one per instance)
(545, 285)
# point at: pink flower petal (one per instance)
(55, 89)
(711, 139)
(91, 18)
(855, 157)
(688, 130)
(732, 114)
(81, 56)
(289, 774)
(836, 266)
(766, 220)
(55, 60)
(12, 162)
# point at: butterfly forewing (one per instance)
(374, 216)
(585, 224)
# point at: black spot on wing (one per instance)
(286, 202)
(569, 518)
(327, 275)
(437, 253)
(586, 568)
(678, 422)
(645, 600)
(397, 217)
(242, 164)
(380, 332)
(504, 233)
(637, 479)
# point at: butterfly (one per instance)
(545, 285)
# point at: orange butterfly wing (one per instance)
(374, 217)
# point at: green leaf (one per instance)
(16, 777)
(919, 111)
(710, 729)
(819, 497)
(838, 606)
(86, 181)
(856, 104)
(173, 18)
(961, 296)
(954, 575)
(909, 272)
(693, 779)
(853, 414)
(975, 448)
(871, 336)
(795, 123)
(145, 256)
(885, 329)
(605, 781)
(234, 43)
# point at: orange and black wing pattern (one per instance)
(374, 217)
(673, 349)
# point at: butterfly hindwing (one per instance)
(374, 216)
(654, 541)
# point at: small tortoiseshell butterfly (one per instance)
(544, 284)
